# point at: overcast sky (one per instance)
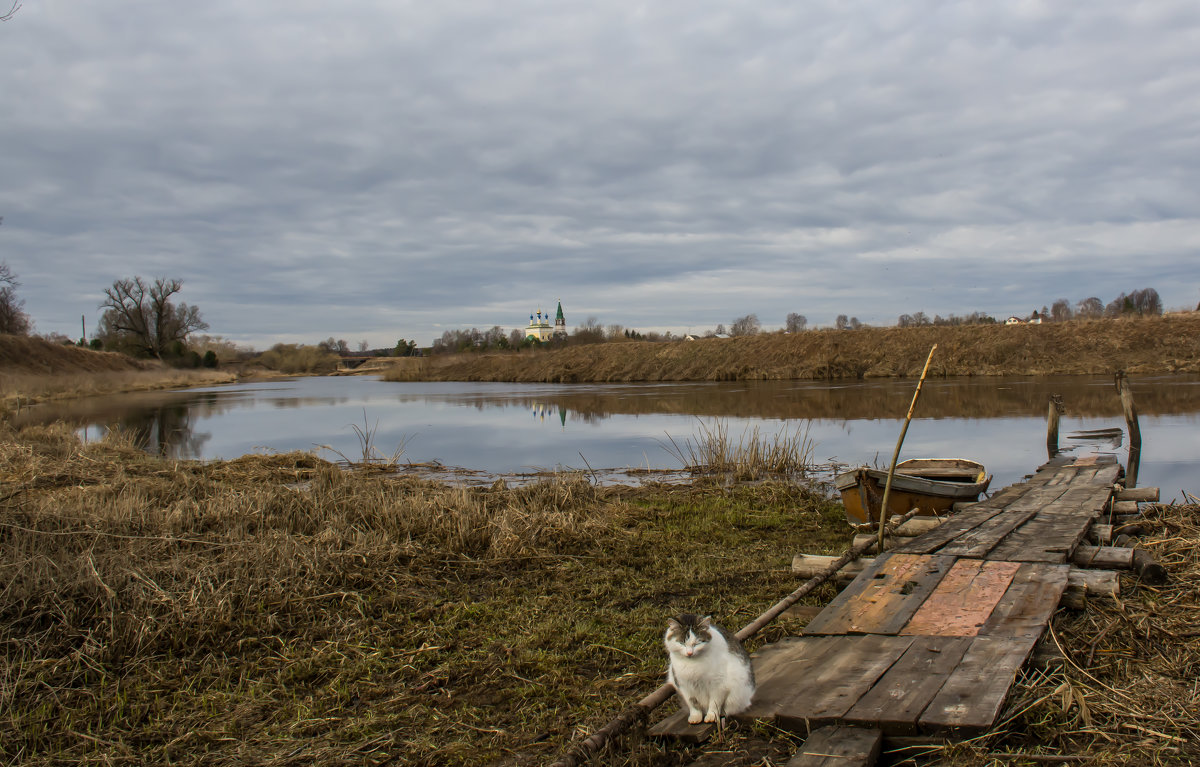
(379, 170)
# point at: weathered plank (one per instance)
(896, 701)
(839, 747)
(971, 699)
(1030, 601)
(960, 523)
(963, 601)
(978, 541)
(1062, 476)
(1054, 532)
(785, 669)
(840, 681)
(883, 598)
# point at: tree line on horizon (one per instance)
(145, 319)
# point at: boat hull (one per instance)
(930, 485)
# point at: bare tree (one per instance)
(745, 326)
(855, 324)
(1089, 309)
(796, 323)
(142, 318)
(1061, 310)
(841, 322)
(13, 318)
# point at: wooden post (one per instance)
(1135, 432)
(887, 488)
(1055, 410)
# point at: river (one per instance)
(511, 429)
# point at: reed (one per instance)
(751, 456)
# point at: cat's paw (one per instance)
(695, 717)
(711, 716)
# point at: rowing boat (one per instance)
(931, 485)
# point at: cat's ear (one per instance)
(674, 624)
(706, 621)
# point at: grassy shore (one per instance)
(1159, 345)
(282, 610)
(278, 609)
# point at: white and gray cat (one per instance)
(709, 668)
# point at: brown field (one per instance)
(1168, 344)
(34, 370)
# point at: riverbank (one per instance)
(281, 609)
(33, 370)
(1151, 346)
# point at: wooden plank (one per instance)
(901, 694)
(1054, 532)
(971, 699)
(963, 601)
(883, 598)
(978, 542)
(958, 524)
(1063, 476)
(831, 690)
(1030, 601)
(780, 673)
(839, 747)
(676, 727)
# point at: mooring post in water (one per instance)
(1135, 431)
(1052, 415)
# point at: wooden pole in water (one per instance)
(1135, 431)
(887, 487)
(1056, 409)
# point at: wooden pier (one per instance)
(927, 640)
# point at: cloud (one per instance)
(387, 170)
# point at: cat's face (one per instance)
(687, 635)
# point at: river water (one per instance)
(522, 428)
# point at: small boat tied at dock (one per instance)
(932, 485)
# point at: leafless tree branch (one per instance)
(15, 7)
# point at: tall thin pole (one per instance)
(887, 488)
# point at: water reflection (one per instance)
(520, 427)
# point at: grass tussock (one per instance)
(1159, 345)
(751, 456)
(281, 609)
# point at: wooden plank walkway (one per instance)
(929, 637)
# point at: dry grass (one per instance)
(1169, 344)
(282, 610)
(752, 456)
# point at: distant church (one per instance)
(541, 330)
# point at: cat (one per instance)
(709, 668)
